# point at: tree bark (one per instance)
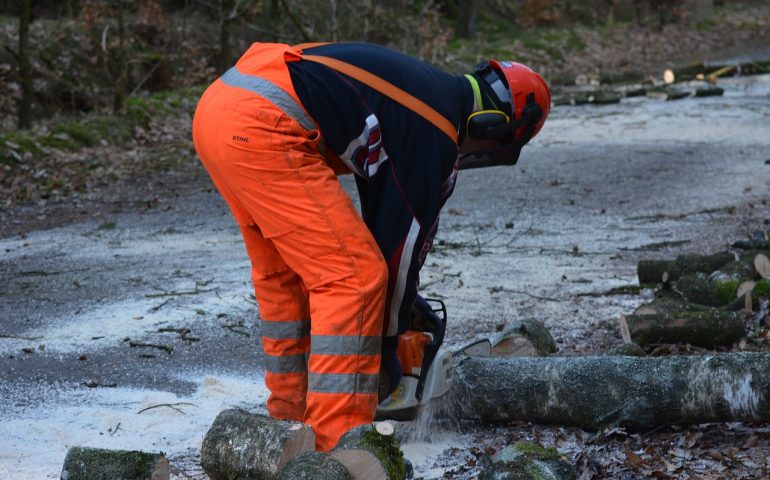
(702, 329)
(370, 455)
(82, 463)
(698, 288)
(314, 466)
(243, 445)
(25, 70)
(651, 271)
(606, 391)
(466, 19)
(525, 338)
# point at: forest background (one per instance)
(96, 96)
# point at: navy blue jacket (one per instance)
(405, 167)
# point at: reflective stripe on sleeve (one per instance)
(286, 364)
(292, 329)
(345, 345)
(403, 271)
(342, 383)
(270, 91)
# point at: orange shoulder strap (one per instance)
(389, 90)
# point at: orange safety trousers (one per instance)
(319, 277)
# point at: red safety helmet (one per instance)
(522, 81)
(513, 117)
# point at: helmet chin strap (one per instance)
(506, 154)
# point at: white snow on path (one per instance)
(33, 444)
(106, 325)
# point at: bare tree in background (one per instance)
(466, 18)
(25, 70)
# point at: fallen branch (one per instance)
(18, 337)
(169, 405)
(168, 347)
(178, 293)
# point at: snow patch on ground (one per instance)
(34, 443)
(105, 325)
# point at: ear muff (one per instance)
(496, 125)
(485, 124)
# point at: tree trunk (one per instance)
(599, 392)
(526, 338)
(223, 55)
(314, 466)
(370, 452)
(84, 463)
(466, 18)
(243, 445)
(651, 271)
(120, 62)
(702, 329)
(25, 70)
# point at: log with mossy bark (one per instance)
(527, 461)
(244, 445)
(83, 463)
(651, 271)
(707, 329)
(700, 289)
(371, 452)
(606, 391)
(524, 338)
(314, 466)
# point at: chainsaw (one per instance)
(426, 365)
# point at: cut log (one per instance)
(742, 269)
(83, 463)
(702, 329)
(314, 466)
(606, 391)
(668, 93)
(245, 445)
(525, 338)
(651, 271)
(528, 461)
(370, 455)
(627, 349)
(697, 288)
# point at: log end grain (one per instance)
(762, 265)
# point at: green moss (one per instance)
(373, 442)
(725, 291)
(761, 289)
(538, 451)
(20, 142)
(385, 448)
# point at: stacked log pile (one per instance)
(693, 80)
(698, 299)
